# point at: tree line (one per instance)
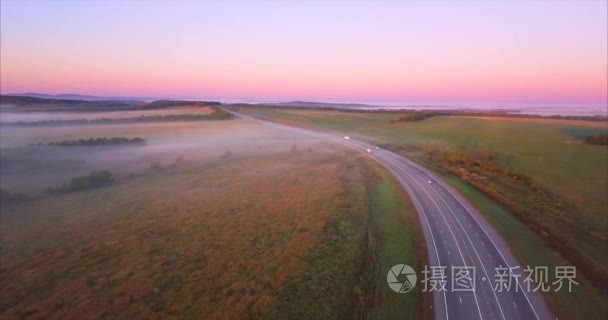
(98, 142)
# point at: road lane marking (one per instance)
(423, 188)
(472, 245)
(495, 247)
(468, 210)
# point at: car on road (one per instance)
(346, 138)
(369, 150)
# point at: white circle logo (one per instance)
(407, 283)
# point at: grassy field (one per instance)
(533, 250)
(275, 227)
(552, 183)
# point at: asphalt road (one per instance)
(456, 235)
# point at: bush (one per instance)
(600, 140)
(7, 197)
(156, 166)
(455, 158)
(95, 179)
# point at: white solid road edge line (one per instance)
(480, 226)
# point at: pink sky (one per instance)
(535, 52)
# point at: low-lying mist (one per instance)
(11, 115)
(31, 161)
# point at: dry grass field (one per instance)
(236, 220)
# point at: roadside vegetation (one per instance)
(376, 229)
(532, 249)
(541, 171)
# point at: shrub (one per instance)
(156, 166)
(599, 140)
(226, 155)
(455, 158)
(95, 179)
(7, 197)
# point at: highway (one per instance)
(456, 235)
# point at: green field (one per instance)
(552, 152)
(532, 250)
(394, 238)
(553, 185)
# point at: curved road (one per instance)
(456, 235)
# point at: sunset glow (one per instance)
(503, 52)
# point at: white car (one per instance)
(369, 150)
(377, 148)
(346, 138)
(429, 181)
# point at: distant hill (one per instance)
(27, 103)
(70, 96)
(305, 104)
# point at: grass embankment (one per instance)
(232, 238)
(395, 237)
(540, 170)
(533, 250)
